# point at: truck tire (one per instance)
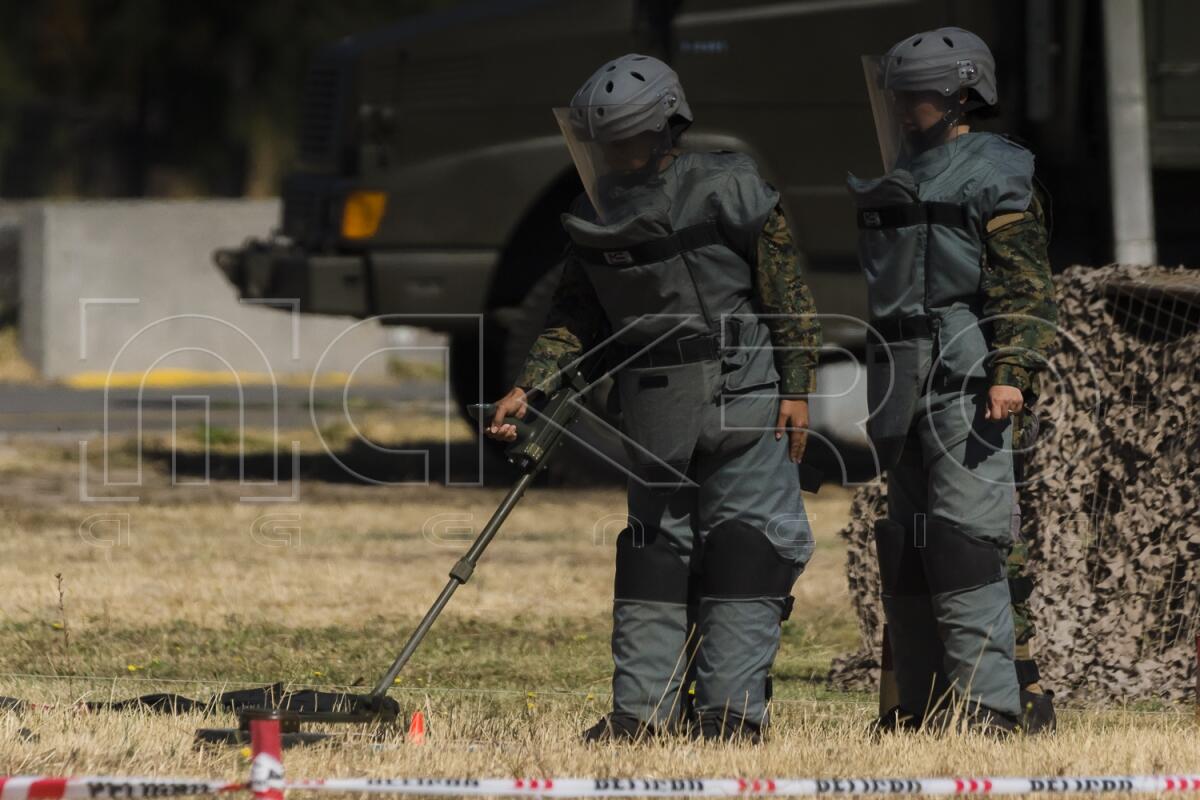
(509, 332)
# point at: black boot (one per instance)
(1037, 712)
(981, 720)
(896, 720)
(726, 728)
(617, 727)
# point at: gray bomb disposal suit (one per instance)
(717, 532)
(943, 547)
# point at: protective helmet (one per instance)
(630, 95)
(943, 60)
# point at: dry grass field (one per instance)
(192, 591)
(13, 366)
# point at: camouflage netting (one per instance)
(1112, 507)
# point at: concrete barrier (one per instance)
(130, 286)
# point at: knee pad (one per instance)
(901, 571)
(956, 561)
(739, 563)
(649, 569)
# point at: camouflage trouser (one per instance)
(1021, 583)
(1022, 614)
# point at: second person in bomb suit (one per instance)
(953, 245)
(681, 267)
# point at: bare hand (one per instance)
(512, 404)
(1003, 402)
(793, 418)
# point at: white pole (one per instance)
(1129, 133)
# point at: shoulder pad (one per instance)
(734, 161)
(1008, 156)
(722, 162)
(581, 207)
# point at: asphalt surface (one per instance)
(58, 409)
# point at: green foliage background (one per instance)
(134, 98)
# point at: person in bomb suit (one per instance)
(953, 244)
(682, 269)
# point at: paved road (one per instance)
(58, 409)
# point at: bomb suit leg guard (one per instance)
(744, 588)
(969, 589)
(970, 472)
(650, 619)
(916, 649)
(917, 655)
(756, 541)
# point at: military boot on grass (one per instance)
(897, 720)
(1037, 712)
(618, 727)
(981, 720)
(726, 728)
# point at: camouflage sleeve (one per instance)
(1018, 295)
(787, 306)
(573, 322)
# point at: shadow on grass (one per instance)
(460, 463)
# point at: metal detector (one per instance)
(537, 437)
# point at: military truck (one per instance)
(431, 174)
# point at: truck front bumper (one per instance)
(439, 289)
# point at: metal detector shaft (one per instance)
(460, 574)
(536, 440)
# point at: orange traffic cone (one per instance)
(416, 729)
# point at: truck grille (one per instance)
(440, 82)
(306, 209)
(321, 114)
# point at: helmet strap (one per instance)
(934, 135)
(678, 124)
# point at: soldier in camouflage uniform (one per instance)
(682, 267)
(1017, 253)
(953, 245)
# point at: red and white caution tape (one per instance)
(109, 788)
(37, 787)
(736, 787)
(267, 782)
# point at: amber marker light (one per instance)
(362, 213)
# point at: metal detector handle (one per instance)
(483, 412)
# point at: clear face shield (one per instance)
(910, 118)
(618, 151)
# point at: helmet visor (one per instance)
(613, 160)
(910, 119)
(888, 125)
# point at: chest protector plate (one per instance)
(674, 269)
(921, 250)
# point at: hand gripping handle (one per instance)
(483, 412)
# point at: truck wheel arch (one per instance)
(533, 249)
